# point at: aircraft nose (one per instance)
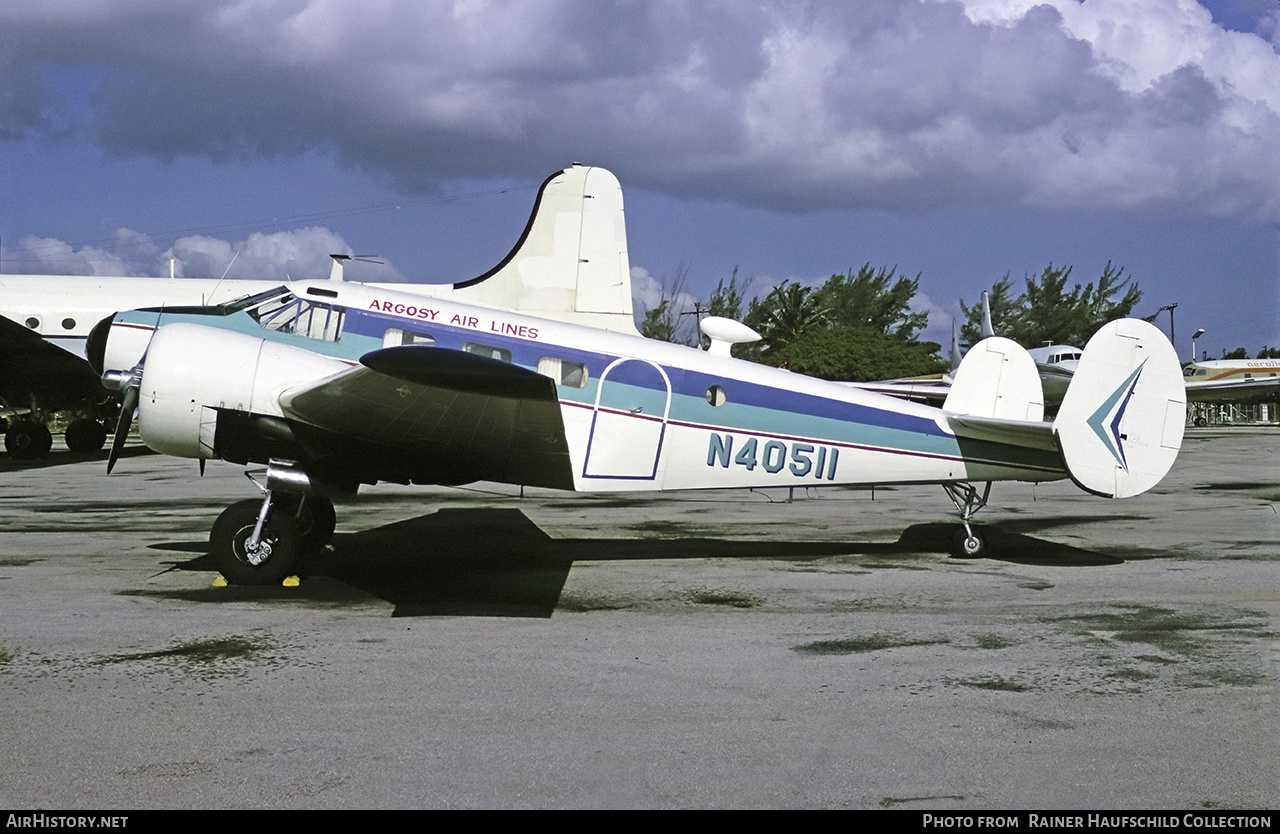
(95, 347)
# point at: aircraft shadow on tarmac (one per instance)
(64, 457)
(496, 562)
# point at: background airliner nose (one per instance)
(95, 346)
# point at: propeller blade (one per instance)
(123, 425)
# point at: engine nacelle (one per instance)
(190, 370)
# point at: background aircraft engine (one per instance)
(191, 370)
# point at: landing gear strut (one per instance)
(969, 543)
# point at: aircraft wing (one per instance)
(453, 416)
(31, 366)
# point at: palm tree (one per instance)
(786, 314)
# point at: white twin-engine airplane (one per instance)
(333, 385)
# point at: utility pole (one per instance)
(1173, 339)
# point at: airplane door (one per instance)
(633, 401)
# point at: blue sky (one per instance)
(962, 141)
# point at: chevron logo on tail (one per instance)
(1105, 422)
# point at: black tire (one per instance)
(279, 540)
(27, 440)
(85, 436)
(46, 440)
(230, 519)
(966, 546)
(317, 521)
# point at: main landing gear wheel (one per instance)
(266, 563)
(27, 440)
(315, 516)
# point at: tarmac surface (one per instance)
(475, 648)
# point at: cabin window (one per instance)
(303, 317)
(716, 396)
(501, 354)
(563, 371)
(68, 324)
(395, 337)
(33, 322)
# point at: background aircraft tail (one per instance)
(571, 261)
(1120, 425)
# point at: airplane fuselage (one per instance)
(1233, 380)
(637, 414)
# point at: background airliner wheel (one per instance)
(85, 436)
(27, 440)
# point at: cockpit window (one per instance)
(289, 314)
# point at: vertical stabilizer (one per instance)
(571, 261)
(997, 379)
(1121, 421)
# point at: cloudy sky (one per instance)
(959, 139)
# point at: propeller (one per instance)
(335, 272)
(129, 382)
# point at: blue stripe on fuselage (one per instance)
(750, 407)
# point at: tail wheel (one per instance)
(267, 563)
(969, 544)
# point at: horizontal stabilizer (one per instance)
(1121, 421)
(1031, 434)
(996, 379)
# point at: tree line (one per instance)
(859, 325)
